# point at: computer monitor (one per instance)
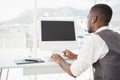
(57, 33)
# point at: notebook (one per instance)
(29, 61)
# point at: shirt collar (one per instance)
(102, 28)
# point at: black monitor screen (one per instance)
(57, 31)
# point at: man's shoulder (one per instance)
(91, 38)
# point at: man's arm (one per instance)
(64, 65)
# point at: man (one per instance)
(102, 49)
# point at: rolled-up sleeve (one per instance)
(78, 67)
(93, 49)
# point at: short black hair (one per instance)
(104, 11)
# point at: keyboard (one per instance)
(47, 58)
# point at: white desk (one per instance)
(8, 57)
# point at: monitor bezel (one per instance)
(45, 45)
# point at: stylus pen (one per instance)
(31, 60)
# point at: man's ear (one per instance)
(94, 19)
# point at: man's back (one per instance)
(108, 68)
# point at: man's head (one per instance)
(99, 15)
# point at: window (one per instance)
(16, 16)
(66, 8)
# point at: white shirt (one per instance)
(94, 48)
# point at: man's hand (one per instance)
(69, 54)
(64, 65)
(57, 58)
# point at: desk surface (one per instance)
(8, 57)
